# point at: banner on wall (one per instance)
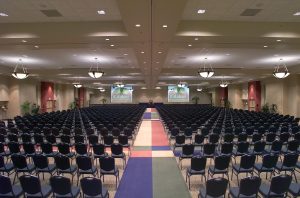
(178, 94)
(121, 94)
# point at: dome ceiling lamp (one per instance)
(95, 72)
(101, 89)
(281, 70)
(119, 84)
(199, 89)
(20, 74)
(223, 83)
(206, 71)
(77, 85)
(181, 84)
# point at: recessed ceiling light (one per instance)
(112, 45)
(159, 52)
(157, 87)
(227, 54)
(137, 25)
(275, 54)
(165, 26)
(142, 52)
(278, 40)
(3, 14)
(125, 54)
(24, 41)
(107, 39)
(296, 14)
(157, 62)
(265, 46)
(145, 62)
(74, 54)
(101, 12)
(196, 39)
(36, 46)
(190, 45)
(143, 88)
(201, 11)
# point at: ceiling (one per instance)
(59, 40)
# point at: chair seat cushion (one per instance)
(234, 192)
(17, 192)
(202, 194)
(279, 166)
(30, 168)
(7, 167)
(50, 168)
(195, 172)
(294, 189)
(214, 170)
(75, 192)
(259, 167)
(89, 171)
(72, 169)
(264, 190)
(237, 168)
(46, 192)
(112, 172)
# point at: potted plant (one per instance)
(227, 104)
(265, 108)
(103, 100)
(35, 109)
(195, 99)
(72, 105)
(273, 108)
(25, 108)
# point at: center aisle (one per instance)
(152, 170)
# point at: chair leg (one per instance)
(16, 175)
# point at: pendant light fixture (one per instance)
(223, 83)
(281, 70)
(20, 74)
(101, 89)
(95, 72)
(77, 85)
(199, 89)
(181, 84)
(206, 72)
(119, 84)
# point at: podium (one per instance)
(50, 105)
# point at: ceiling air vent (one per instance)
(250, 12)
(119, 57)
(51, 13)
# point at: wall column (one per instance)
(81, 96)
(223, 91)
(47, 97)
(254, 96)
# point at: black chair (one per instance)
(81, 149)
(292, 146)
(117, 152)
(21, 165)
(198, 164)
(294, 189)
(14, 148)
(258, 148)
(288, 164)
(8, 190)
(242, 137)
(187, 152)
(215, 187)
(213, 138)
(209, 150)
(29, 149)
(99, 151)
(51, 139)
(93, 139)
(246, 166)
(47, 149)
(179, 141)
(4, 152)
(268, 164)
(276, 147)
(221, 166)
(92, 187)
(284, 137)
(241, 149)
(199, 140)
(6, 167)
(61, 187)
(188, 133)
(107, 167)
(228, 137)
(108, 140)
(63, 165)
(248, 187)
(85, 166)
(42, 165)
(124, 141)
(32, 187)
(270, 138)
(278, 188)
(64, 148)
(79, 139)
(226, 149)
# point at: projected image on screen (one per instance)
(178, 94)
(121, 94)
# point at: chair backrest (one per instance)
(180, 139)
(84, 162)
(293, 145)
(19, 161)
(209, 148)
(280, 184)
(199, 138)
(108, 139)
(123, 139)
(198, 163)
(222, 162)
(247, 161)
(276, 145)
(228, 137)
(63, 148)
(226, 148)
(107, 163)
(270, 137)
(216, 187)
(242, 147)
(213, 138)
(290, 159)
(259, 146)
(116, 149)
(62, 162)
(188, 149)
(30, 184)
(81, 148)
(60, 185)
(249, 186)
(47, 148)
(91, 186)
(242, 137)
(28, 148)
(40, 161)
(5, 185)
(269, 160)
(99, 149)
(14, 147)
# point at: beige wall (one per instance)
(64, 95)
(235, 93)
